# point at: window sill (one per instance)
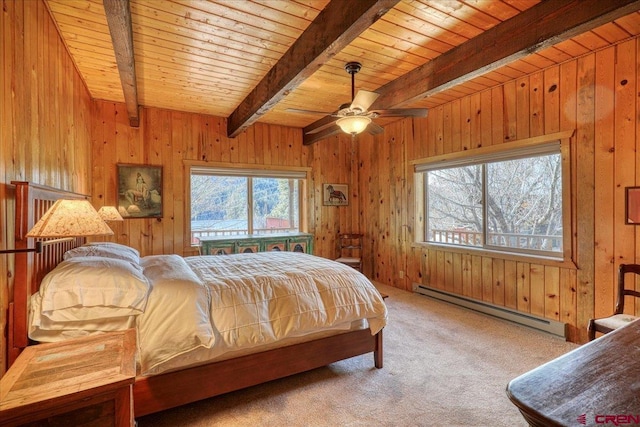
(512, 256)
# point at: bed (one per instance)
(232, 349)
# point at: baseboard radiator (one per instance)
(551, 326)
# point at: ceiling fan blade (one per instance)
(319, 125)
(308, 139)
(297, 110)
(374, 129)
(364, 99)
(402, 112)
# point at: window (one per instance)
(226, 201)
(508, 201)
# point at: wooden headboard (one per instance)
(32, 201)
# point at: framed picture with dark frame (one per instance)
(632, 202)
(335, 194)
(139, 191)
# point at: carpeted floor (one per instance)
(443, 366)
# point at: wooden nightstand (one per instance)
(84, 381)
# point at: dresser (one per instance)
(83, 381)
(224, 245)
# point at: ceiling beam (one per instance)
(119, 21)
(310, 138)
(541, 26)
(333, 29)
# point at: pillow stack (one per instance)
(98, 287)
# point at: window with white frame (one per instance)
(228, 201)
(508, 201)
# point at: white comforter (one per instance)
(243, 301)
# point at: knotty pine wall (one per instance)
(168, 138)
(44, 116)
(598, 96)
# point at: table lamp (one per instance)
(110, 213)
(66, 219)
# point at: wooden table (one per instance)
(84, 381)
(594, 385)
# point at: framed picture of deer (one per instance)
(335, 194)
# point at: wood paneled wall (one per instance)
(595, 95)
(44, 116)
(168, 138)
(335, 161)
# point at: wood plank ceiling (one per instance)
(255, 60)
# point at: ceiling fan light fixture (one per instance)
(353, 124)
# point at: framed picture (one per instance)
(139, 191)
(335, 194)
(632, 214)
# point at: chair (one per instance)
(350, 250)
(618, 318)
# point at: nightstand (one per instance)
(82, 381)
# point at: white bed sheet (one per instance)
(216, 307)
(260, 299)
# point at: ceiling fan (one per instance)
(355, 117)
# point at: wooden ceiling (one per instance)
(253, 60)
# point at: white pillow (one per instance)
(43, 329)
(86, 288)
(177, 319)
(115, 245)
(106, 250)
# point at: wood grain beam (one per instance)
(310, 138)
(543, 25)
(333, 29)
(119, 21)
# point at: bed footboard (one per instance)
(164, 391)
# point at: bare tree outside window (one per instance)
(511, 205)
(454, 199)
(524, 203)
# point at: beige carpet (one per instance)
(443, 366)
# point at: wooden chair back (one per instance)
(623, 290)
(618, 318)
(350, 250)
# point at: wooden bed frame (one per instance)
(168, 390)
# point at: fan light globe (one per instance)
(353, 124)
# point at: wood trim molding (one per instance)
(250, 166)
(506, 146)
